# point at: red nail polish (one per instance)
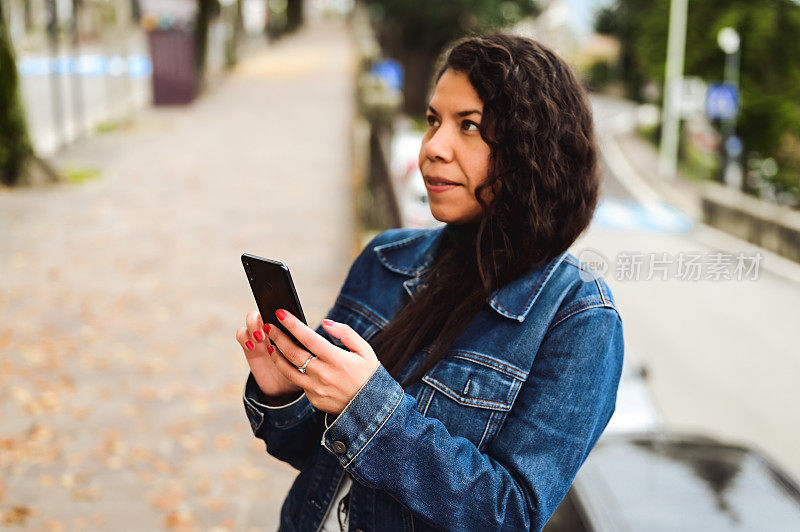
(270, 349)
(258, 335)
(266, 328)
(327, 322)
(249, 344)
(281, 314)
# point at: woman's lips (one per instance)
(439, 185)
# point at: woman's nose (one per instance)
(439, 146)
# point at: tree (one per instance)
(769, 117)
(206, 11)
(18, 163)
(415, 33)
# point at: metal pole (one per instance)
(55, 83)
(676, 44)
(728, 40)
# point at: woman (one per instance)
(463, 374)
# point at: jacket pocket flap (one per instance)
(473, 384)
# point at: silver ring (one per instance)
(302, 369)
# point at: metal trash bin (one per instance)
(172, 52)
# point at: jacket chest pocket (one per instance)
(471, 394)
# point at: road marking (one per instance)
(630, 216)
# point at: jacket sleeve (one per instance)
(291, 431)
(560, 412)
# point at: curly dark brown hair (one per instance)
(538, 123)
(545, 182)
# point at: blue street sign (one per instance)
(722, 101)
(734, 146)
(389, 71)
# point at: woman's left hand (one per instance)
(332, 378)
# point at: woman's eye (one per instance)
(432, 121)
(467, 123)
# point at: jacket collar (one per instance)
(413, 256)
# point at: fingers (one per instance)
(289, 370)
(251, 350)
(291, 351)
(351, 339)
(305, 335)
(255, 326)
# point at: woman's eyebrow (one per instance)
(460, 113)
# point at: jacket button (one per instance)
(339, 447)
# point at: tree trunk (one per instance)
(236, 20)
(294, 15)
(15, 144)
(18, 164)
(206, 10)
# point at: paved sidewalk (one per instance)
(120, 378)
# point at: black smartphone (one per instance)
(273, 288)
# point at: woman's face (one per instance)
(453, 158)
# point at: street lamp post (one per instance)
(728, 41)
(673, 81)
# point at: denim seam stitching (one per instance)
(596, 305)
(536, 289)
(460, 399)
(267, 407)
(375, 432)
(292, 421)
(601, 290)
(424, 396)
(431, 393)
(372, 316)
(379, 250)
(257, 414)
(491, 363)
(486, 428)
(495, 424)
(578, 305)
(499, 419)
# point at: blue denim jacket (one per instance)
(491, 437)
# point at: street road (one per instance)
(722, 353)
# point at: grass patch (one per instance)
(79, 175)
(110, 126)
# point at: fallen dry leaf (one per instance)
(203, 485)
(166, 499)
(215, 504)
(52, 525)
(181, 521)
(223, 442)
(86, 494)
(16, 515)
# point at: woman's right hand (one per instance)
(260, 357)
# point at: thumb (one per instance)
(351, 339)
